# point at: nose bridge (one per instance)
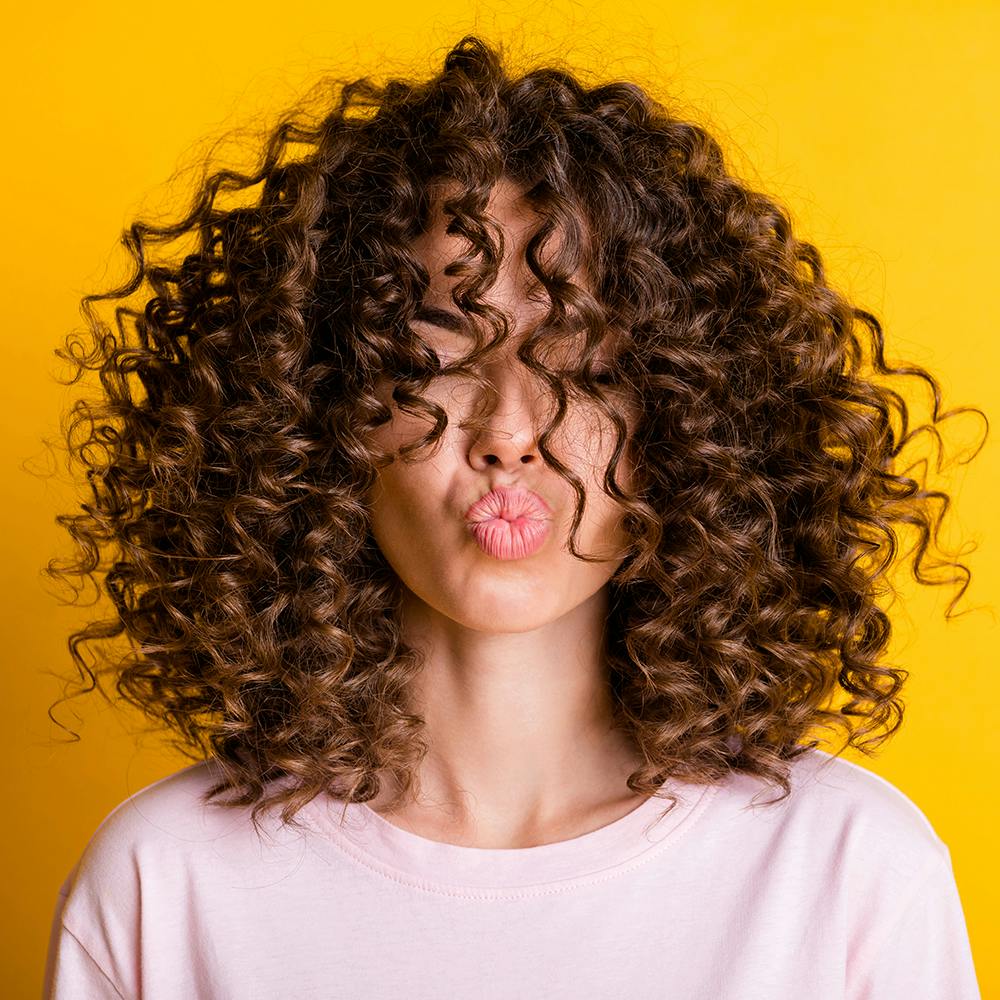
(513, 407)
(514, 386)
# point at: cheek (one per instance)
(608, 513)
(403, 516)
(409, 499)
(601, 436)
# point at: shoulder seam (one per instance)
(97, 965)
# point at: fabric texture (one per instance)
(842, 892)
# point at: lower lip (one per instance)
(515, 539)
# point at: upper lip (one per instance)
(508, 501)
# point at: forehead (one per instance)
(516, 290)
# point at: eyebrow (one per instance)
(442, 318)
(451, 321)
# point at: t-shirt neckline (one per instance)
(484, 872)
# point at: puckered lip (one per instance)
(508, 502)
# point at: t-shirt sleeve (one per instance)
(925, 951)
(72, 973)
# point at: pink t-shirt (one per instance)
(842, 892)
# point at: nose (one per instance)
(506, 433)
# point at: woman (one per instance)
(505, 469)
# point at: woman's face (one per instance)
(492, 578)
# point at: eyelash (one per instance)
(602, 376)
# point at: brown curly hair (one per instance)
(229, 453)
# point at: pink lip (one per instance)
(509, 522)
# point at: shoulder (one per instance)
(162, 835)
(844, 788)
(893, 875)
(846, 811)
(167, 813)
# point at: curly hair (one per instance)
(229, 456)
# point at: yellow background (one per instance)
(875, 124)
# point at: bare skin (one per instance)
(514, 691)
